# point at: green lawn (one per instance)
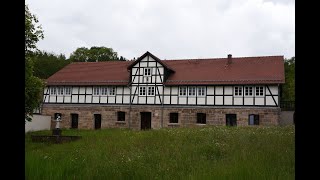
(184, 153)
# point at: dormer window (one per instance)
(147, 72)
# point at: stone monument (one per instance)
(57, 130)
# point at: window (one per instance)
(248, 90)
(104, 91)
(60, 90)
(183, 91)
(147, 71)
(231, 119)
(121, 116)
(173, 118)
(112, 91)
(68, 90)
(201, 91)
(238, 91)
(53, 90)
(57, 116)
(253, 119)
(259, 91)
(142, 91)
(201, 118)
(96, 91)
(150, 91)
(192, 91)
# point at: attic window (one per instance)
(259, 91)
(147, 72)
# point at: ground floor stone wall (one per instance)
(187, 116)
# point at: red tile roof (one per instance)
(242, 70)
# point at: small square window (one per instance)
(121, 116)
(253, 119)
(173, 118)
(201, 118)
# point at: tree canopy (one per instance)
(33, 85)
(288, 89)
(46, 64)
(94, 54)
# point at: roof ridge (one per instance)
(221, 58)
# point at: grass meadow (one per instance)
(215, 152)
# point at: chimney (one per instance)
(229, 58)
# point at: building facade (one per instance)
(153, 93)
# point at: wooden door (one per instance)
(145, 120)
(97, 121)
(74, 121)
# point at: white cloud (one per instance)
(169, 29)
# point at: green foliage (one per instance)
(94, 54)
(33, 85)
(33, 89)
(46, 64)
(288, 89)
(33, 32)
(215, 152)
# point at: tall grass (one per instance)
(184, 153)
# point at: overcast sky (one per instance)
(169, 29)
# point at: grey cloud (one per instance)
(178, 29)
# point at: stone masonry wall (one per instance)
(187, 115)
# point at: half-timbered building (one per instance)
(153, 93)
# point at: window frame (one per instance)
(94, 92)
(146, 73)
(256, 120)
(185, 90)
(60, 91)
(195, 91)
(53, 90)
(245, 91)
(70, 92)
(259, 88)
(204, 91)
(151, 87)
(237, 90)
(145, 90)
(111, 89)
(104, 90)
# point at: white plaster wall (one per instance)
(219, 90)
(248, 101)
(38, 123)
(228, 90)
(201, 101)
(259, 101)
(228, 100)
(210, 90)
